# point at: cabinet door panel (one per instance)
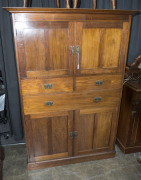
(86, 132)
(90, 48)
(101, 50)
(57, 43)
(34, 49)
(44, 48)
(110, 48)
(59, 134)
(49, 136)
(103, 129)
(96, 131)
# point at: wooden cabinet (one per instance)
(70, 66)
(129, 130)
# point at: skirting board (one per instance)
(71, 160)
(128, 150)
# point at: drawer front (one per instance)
(46, 103)
(39, 86)
(98, 82)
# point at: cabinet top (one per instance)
(64, 10)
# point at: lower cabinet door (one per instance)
(95, 131)
(48, 136)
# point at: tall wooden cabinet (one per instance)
(70, 65)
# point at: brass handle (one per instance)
(49, 103)
(72, 50)
(78, 53)
(48, 86)
(98, 99)
(99, 83)
(75, 134)
(71, 135)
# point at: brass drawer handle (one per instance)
(99, 83)
(48, 86)
(49, 103)
(98, 99)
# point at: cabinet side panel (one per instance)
(125, 117)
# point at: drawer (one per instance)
(39, 86)
(98, 82)
(70, 101)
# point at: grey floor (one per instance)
(122, 167)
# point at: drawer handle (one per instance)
(99, 83)
(97, 99)
(48, 86)
(49, 103)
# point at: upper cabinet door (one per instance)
(100, 47)
(44, 48)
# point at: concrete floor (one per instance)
(122, 167)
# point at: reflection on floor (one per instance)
(122, 167)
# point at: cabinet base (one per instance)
(128, 150)
(70, 160)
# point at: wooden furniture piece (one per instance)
(70, 68)
(129, 129)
